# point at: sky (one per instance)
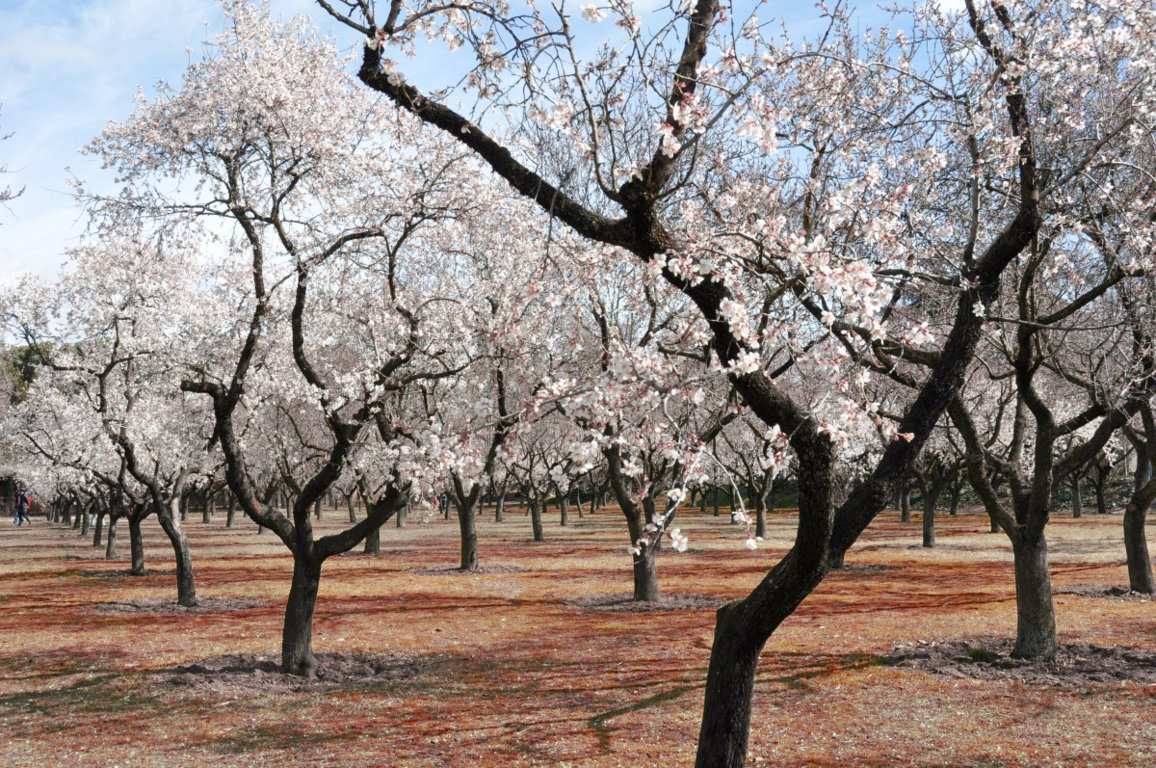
(67, 67)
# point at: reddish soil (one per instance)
(538, 659)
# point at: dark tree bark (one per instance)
(536, 520)
(1035, 610)
(136, 546)
(373, 542)
(1077, 502)
(1140, 577)
(110, 546)
(929, 521)
(297, 632)
(98, 529)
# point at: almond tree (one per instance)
(352, 290)
(903, 164)
(108, 385)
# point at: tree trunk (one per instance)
(351, 508)
(1101, 501)
(373, 541)
(184, 507)
(536, 520)
(136, 546)
(730, 682)
(500, 508)
(402, 515)
(297, 636)
(83, 519)
(761, 514)
(1136, 546)
(467, 525)
(207, 509)
(929, 499)
(564, 507)
(317, 508)
(1077, 502)
(956, 487)
(905, 504)
(186, 580)
(231, 511)
(1035, 612)
(98, 529)
(110, 546)
(646, 576)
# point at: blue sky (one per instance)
(69, 66)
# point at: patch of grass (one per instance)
(982, 655)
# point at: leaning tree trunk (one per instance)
(186, 580)
(536, 520)
(136, 546)
(297, 635)
(1136, 546)
(1035, 611)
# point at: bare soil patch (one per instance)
(481, 570)
(627, 603)
(1111, 593)
(1077, 665)
(168, 605)
(247, 673)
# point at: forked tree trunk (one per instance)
(1035, 611)
(136, 546)
(297, 635)
(646, 576)
(536, 520)
(1136, 546)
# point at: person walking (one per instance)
(23, 500)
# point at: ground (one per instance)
(895, 661)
